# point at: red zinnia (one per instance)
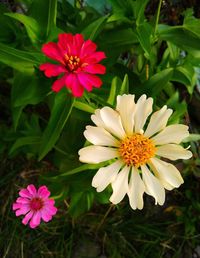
(78, 62)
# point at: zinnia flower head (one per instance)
(134, 149)
(78, 63)
(35, 205)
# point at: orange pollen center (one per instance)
(136, 150)
(72, 62)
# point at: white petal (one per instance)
(126, 107)
(143, 110)
(120, 185)
(166, 172)
(112, 120)
(96, 118)
(136, 190)
(106, 175)
(158, 121)
(173, 152)
(96, 154)
(153, 185)
(99, 136)
(171, 134)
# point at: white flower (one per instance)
(133, 148)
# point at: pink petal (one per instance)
(23, 210)
(25, 193)
(46, 216)
(16, 206)
(32, 190)
(23, 200)
(43, 192)
(95, 69)
(64, 42)
(27, 217)
(49, 202)
(52, 69)
(59, 84)
(35, 221)
(73, 83)
(52, 50)
(88, 48)
(95, 57)
(88, 80)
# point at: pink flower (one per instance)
(35, 205)
(78, 63)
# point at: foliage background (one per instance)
(152, 47)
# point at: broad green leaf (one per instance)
(180, 36)
(125, 86)
(191, 23)
(28, 89)
(93, 29)
(22, 141)
(31, 25)
(44, 12)
(60, 113)
(18, 59)
(158, 81)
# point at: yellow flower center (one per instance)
(72, 62)
(136, 150)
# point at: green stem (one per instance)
(157, 16)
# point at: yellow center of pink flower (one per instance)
(72, 62)
(36, 204)
(136, 150)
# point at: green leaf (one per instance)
(18, 59)
(9, 31)
(28, 89)
(144, 32)
(84, 107)
(125, 86)
(44, 12)
(180, 36)
(31, 25)
(22, 141)
(158, 81)
(191, 23)
(115, 85)
(80, 202)
(193, 137)
(93, 29)
(16, 114)
(60, 113)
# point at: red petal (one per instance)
(65, 41)
(52, 69)
(59, 84)
(89, 81)
(52, 50)
(73, 83)
(95, 57)
(88, 48)
(95, 69)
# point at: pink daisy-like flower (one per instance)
(78, 63)
(35, 205)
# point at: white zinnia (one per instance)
(119, 137)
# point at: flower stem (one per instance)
(157, 16)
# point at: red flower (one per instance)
(78, 62)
